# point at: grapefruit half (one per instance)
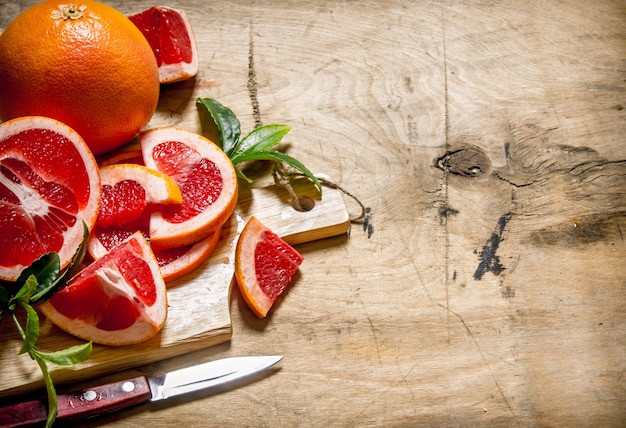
(49, 186)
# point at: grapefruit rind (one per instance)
(54, 170)
(111, 286)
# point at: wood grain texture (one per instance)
(489, 299)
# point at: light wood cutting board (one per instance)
(198, 314)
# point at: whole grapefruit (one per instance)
(84, 64)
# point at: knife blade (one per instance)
(117, 395)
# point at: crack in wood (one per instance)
(252, 81)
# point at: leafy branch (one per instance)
(256, 145)
(35, 284)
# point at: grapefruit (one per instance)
(49, 186)
(172, 40)
(130, 192)
(206, 178)
(120, 299)
(264, 266)
(84, 64)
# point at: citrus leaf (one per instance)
(227, 123)
(240, 174)
(32, 329)
(24, 293)
(45, 269)
(66, 357)
(74, 265)
(45, 291)
(289, 160)
(258, 140)
(51, 390)
(4, 297)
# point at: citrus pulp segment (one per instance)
(49, 186)
(120, 299)
(172, 40)
(206, 178)
(264, 266)
(84, 64)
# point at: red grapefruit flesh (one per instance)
(119, 299)
(206, 178)
(49, 186)
(172, 40)
(264, 266)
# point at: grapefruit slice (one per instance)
(172, 40)
(206, 177)
(130, 192)
(49, 186)
(176, 262)
(118, 300)
(264, 266)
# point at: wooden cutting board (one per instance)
(198, 314)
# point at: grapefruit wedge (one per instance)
(264, 266)
(120, 299)
(206, 178)
(49, 186)
(172, 40)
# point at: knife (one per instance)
(118, 395)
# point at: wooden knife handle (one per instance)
(80, 404)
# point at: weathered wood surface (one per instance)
(487, 141)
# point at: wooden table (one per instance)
(487, 143)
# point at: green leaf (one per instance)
(23, 294)
(4, 297)
(285, 158)
(53, 408)
(67, 357)
(32, 329)
(45, 270)
(258, 140)
(241, 175)
(45, 292)
(227, 123)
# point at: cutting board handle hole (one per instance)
(303, 204)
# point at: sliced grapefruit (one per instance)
(264, 266)
(179, 261)
(172, 40)
(130, 192)
(120, 299)
(206, 178)
(49, 186)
